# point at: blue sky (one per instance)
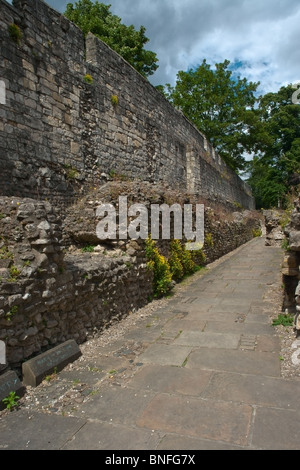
(260, 37)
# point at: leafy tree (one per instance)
(220, 106)
(125, 40)
(278, 144)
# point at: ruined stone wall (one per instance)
(61, 136)
(49, 295)
(291, 264)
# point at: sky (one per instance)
(259, 37)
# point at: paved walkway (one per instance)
(201, 373)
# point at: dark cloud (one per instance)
(262, 35)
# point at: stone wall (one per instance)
(61, 140)
(274, 221)
(61, 136)
(291, 264)
(49, 294)
(48, 297)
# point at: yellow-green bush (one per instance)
(175, 260)
(162, 276)
(181, 263)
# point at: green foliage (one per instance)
(88, 249)
(88, 79)
(181, 263)
(71, 173)
(157, 263)
(14, 273)
(15, 33)
(114, 100)
(209, 240)
(97, 18)
(175, 260)
(220, 106)
(256, 232)
(278, 149)
(11, 401)
(285, 245)
(284, 320)
(238, 205)
(5, 253)
(48, 378)
(12, 312)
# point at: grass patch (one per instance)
(284, 320)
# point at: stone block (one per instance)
(294, 240)
(36, 369)
(290, 271)
(9, 382)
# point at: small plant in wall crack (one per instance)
(11, 401)
(13, 311)
(88, 249)
(15, 33)
(114, 100)
(88, 79)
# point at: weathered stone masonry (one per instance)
(60, 139)
(60, 136)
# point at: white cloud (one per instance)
(263, 35)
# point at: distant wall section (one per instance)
(61, 136)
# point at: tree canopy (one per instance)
(220, 106)
(125, 40)
(278, 148)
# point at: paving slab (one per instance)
(177, 325)
(208, 340)
(170, 379)
(253, 390)
(115, 404)
(25, 430)
(258, 318)
(198, 418)
(239, 327)
(276, 429)
(215, 315)
(175, 442)
(202, 373)
(268, 343)
(164, 354)
(105, 436)
(250, 362)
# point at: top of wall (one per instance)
(75, 125)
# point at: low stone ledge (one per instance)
(36, 369)
(9, 382)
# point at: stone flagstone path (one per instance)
(201, 373)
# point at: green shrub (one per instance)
(15, 33)
(184, 262)
(157, 263)
(256, 233)
(209, 240)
